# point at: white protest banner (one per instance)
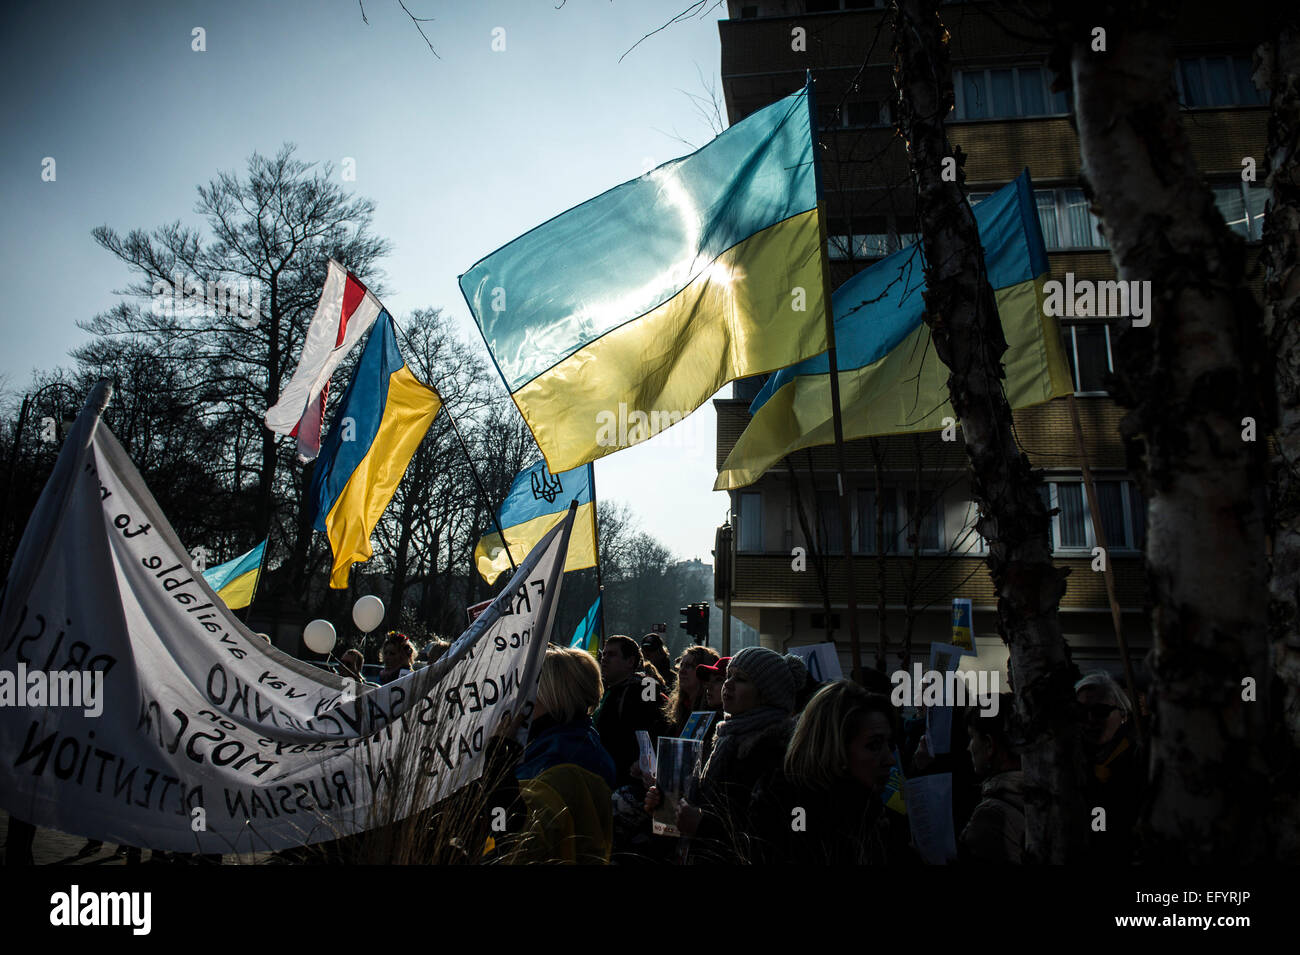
(210, 739)
(822, 660)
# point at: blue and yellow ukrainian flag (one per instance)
(538, 500)
(381, 421)
(891, 381)
(587, 635)
(236, 580)
(655, 294)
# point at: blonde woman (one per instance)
(563, 811)
(836, 767)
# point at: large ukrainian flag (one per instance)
(381, 421)
(538, 500)
(656, 293)
(891, 380)
(236, 580)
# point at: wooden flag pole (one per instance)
(1106, 572)
(482, 493)
(846, 530)
(446, 407)
(257, 582)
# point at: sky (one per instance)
(461, 151)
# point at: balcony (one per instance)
(1045, 432)
(769, 580)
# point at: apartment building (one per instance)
(922, 551)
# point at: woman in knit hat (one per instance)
(758, 698)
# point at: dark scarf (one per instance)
(737, 738)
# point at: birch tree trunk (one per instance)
(1282, 326)
(967, 333)
(1279, 61)
(1190, 378)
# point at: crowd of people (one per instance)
(789, 771)
(785, 770)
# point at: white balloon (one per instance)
(368, 613)
(319, 636)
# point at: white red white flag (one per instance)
(344, 314)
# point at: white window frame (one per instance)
(959, 96)
(1072, 343)
(1060, 204)
(883, 120)
(901, 521)
(1254, 224)
(740, 518)
(1089, 534)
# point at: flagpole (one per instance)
(482, 493)
(257, 581)
(600, 584)
(1100, 535)
(846, 530)
(446, 407)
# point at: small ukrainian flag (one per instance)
(236, 580)
(538, 500)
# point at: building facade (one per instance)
(913, 538)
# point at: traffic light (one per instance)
(696, 622)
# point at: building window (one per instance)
(828, 528)
(866, 523)
(925, 520)
(1242, 208)
(1007, 92)
(1211, 81)
(1087, 349)
(834, 6)
(1123, 515)
(900, 507)
(749, 523)
(871, 245)
(855, 114)
(1064, 217)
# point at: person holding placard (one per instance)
(758, 697)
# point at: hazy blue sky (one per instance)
(461, 154)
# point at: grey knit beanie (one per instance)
(777, 678)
